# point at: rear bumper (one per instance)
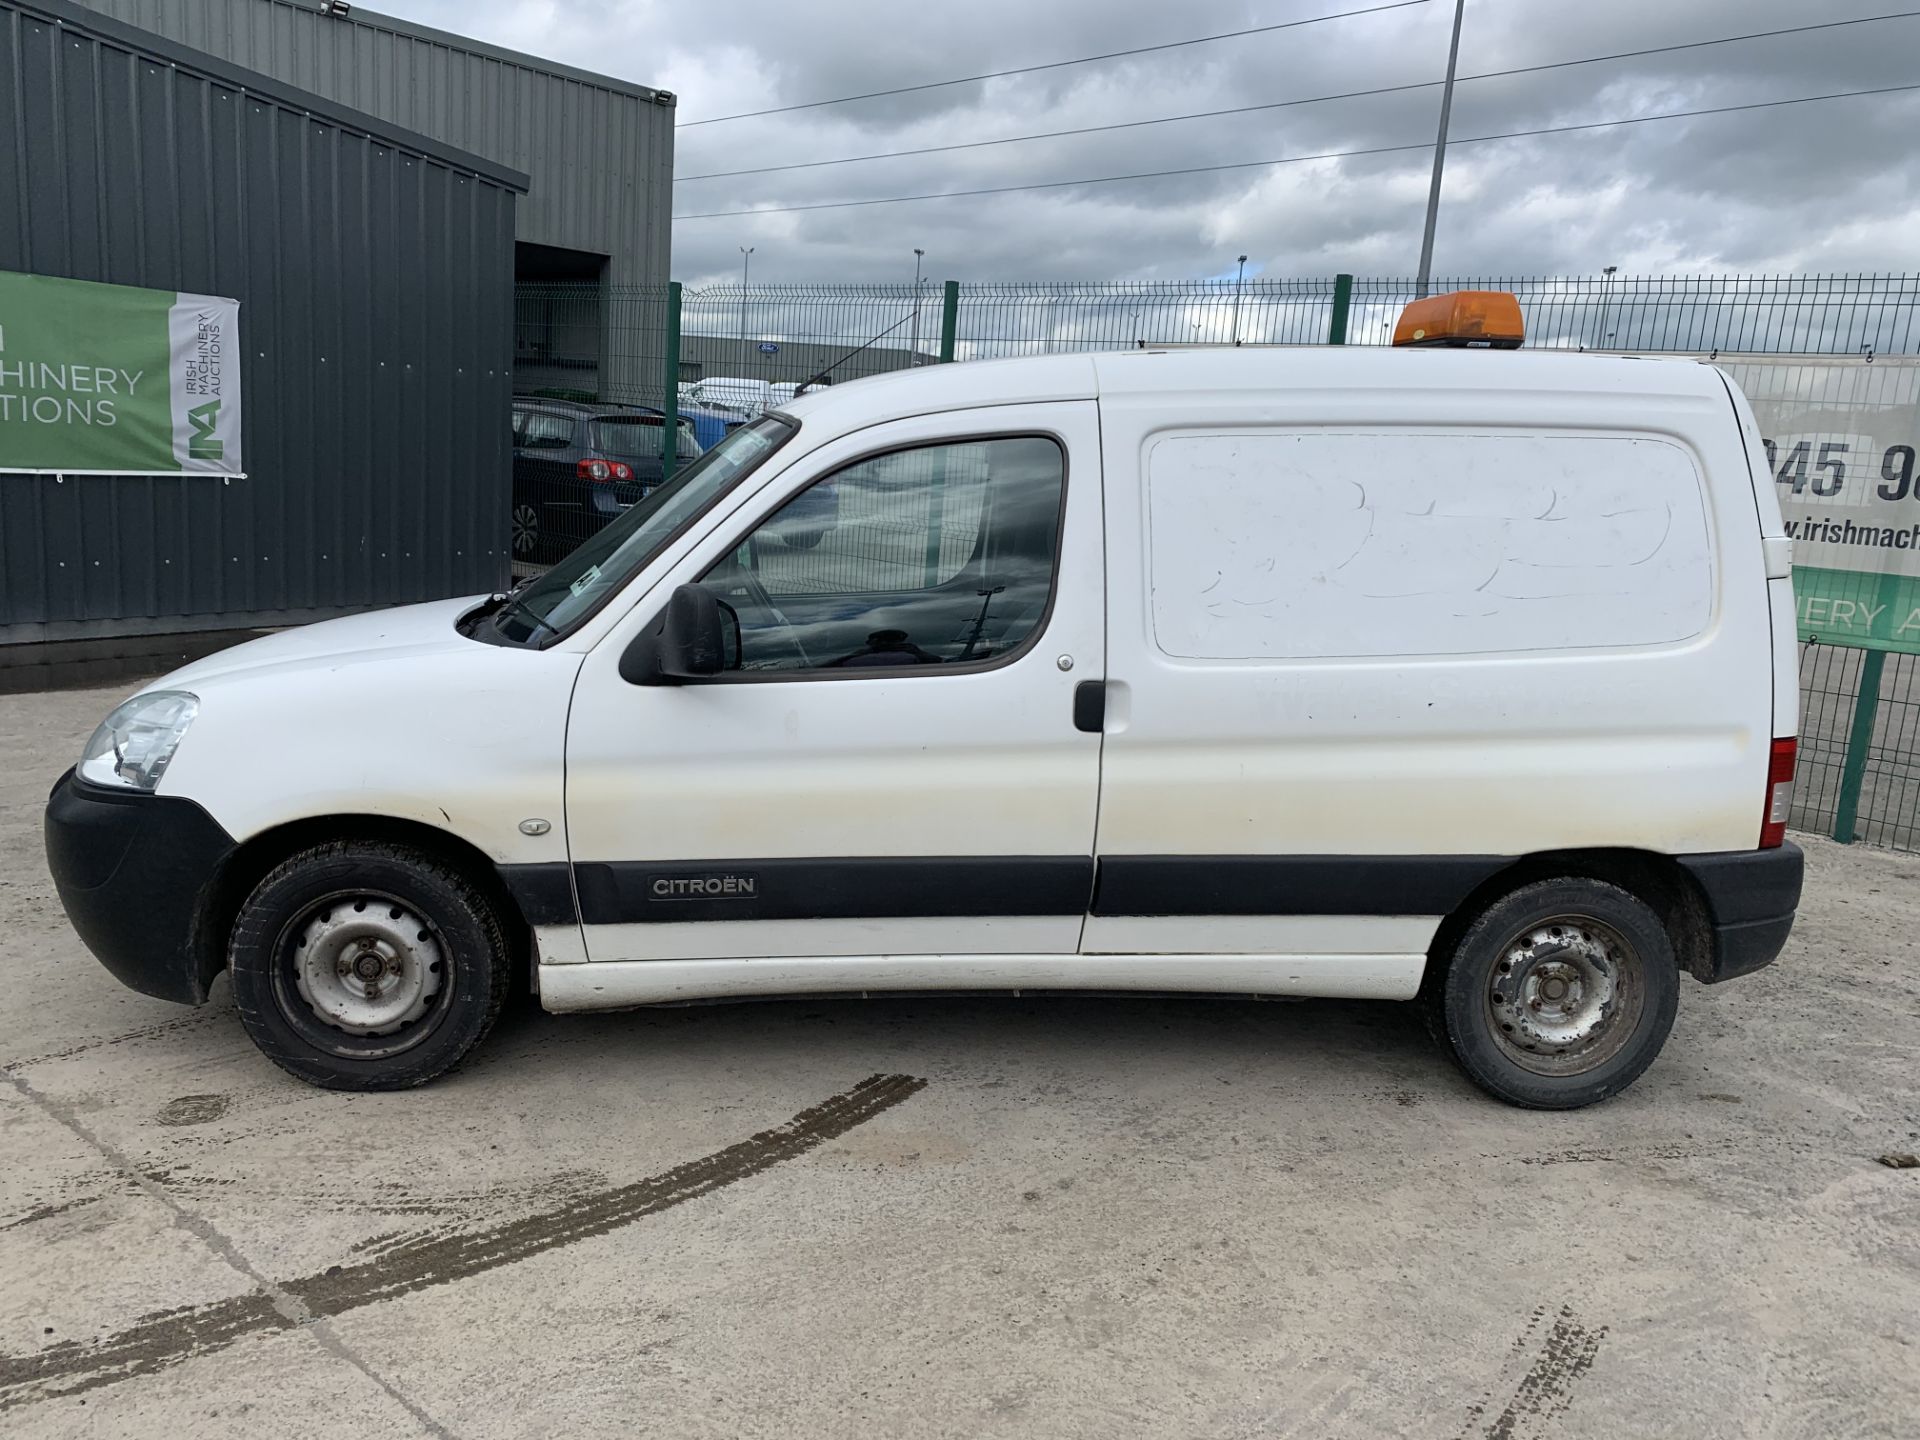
(1751, 898)
(136, 874)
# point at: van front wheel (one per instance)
(367, 966)
(1558, 994)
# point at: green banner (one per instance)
(1847, 607)
(114, 380)
(1841, 436)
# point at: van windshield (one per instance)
(553, 603)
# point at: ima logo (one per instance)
(201, 445)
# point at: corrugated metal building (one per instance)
(599, 151)
(373, 267)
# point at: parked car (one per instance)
(577, 467)
(1457, 676)
(750, 397)
(711, 422)
(785, 390)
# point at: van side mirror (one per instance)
(688, 642)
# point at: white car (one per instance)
(786, 390)
(750, 398)
(1458, 676)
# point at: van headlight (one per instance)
(134, 743)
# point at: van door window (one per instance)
(939, 555)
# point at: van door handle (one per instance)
(1090, 706)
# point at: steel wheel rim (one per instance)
(1565, 995)
(362, 974)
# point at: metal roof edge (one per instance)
(72, 16)
(374, 20)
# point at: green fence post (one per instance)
(1342, 302)
(1853, 769)
(670, 439)
(949, 319)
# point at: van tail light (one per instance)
(1773, 824)
(603, 470)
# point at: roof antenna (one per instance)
(805, 385)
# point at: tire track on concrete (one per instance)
(1546, 1390)
(168, 1337)
(190, 1021)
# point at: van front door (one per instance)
(889, 764)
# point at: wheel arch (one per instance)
(1660, 881)
(257, 856)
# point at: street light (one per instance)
(746, 259)
(1425, 281)
(1237, 281)
(1606, 294)
(913, 353)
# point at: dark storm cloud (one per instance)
(1832, 186)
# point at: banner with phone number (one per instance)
(1841, 436)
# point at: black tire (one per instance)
(1494, 1005)
(344, 899)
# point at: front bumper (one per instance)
(1751, 898)
(137, 874)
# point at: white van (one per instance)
(1458, 676)
(749, 397)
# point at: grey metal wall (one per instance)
(599, 151)
(374, 272)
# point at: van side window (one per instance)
(937, 555)
(1307, 545)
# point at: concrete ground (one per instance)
(974, 1217)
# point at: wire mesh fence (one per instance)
(1684, 314)
(1880, 802)
(1802, 314)
(601, 342)
(787, 335)
(993, 321)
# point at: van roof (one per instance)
(1224, 369)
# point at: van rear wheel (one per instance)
(1558, 994)
(367, 966)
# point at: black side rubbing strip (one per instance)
(642, 891)
(544, 892)
(1289, 884)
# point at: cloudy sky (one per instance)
(1829, 186)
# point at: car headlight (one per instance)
(134, 743)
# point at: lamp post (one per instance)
(1238, 280)
(746, 259)
(1606, 294)
(913, 354)
(1425, 280)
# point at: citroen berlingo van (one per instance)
(1450, 673)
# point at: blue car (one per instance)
(710, 425)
